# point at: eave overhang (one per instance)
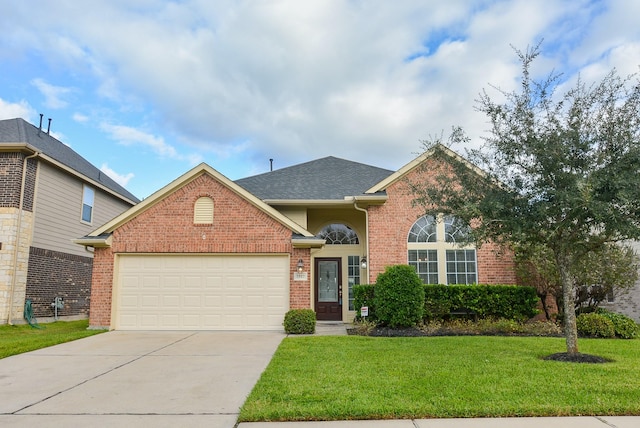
(101, 241)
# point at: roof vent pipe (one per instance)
(40, 128)
(271, 164)
(49, 127)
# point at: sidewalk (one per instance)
(559, 422)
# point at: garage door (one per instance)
(201, 292)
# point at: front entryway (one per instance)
(328, 289)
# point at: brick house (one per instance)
(49, 195)
(205, 252)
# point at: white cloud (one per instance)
(12, 110)
(79, 117)
(122, 180)
(53, 94)
(129, 136)
(299, 80)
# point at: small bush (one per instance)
(300, 321)
(399, 297)
(363, 295)
(624, 327)
(594, 325)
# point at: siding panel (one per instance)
(58, 208)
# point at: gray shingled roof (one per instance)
(19, 131)
(323, 179)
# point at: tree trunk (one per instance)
(568, 303)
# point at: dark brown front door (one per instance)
(328, 281)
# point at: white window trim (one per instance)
(441, 248)
(86, 188)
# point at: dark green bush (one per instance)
(300, 321)
(363, 295)
(399, 297)
(497, 301)
(594, 325)
(624, 327)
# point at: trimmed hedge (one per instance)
(511, 302)
(485, 301)
(300, 321)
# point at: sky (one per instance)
(148, 89)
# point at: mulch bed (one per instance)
(416, 332)
(577, 358)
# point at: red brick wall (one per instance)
(389, 226)
(167, 227)
(101, 288)
(300, 291)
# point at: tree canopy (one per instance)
(558, 170)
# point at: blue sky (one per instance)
(147, 89)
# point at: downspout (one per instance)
(366, 219)
(17, 244)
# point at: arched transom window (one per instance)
(434, 250)
(337, 233)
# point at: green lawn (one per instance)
(16, 339)
(354, 377)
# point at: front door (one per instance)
(328, 280)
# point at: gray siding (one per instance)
(58, 209)
(628, 303)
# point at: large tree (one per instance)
(610, 270)
(559, 170)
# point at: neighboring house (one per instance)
(50, 195)
(205, 252)
(628, 301)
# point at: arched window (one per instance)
(203, 211)
(423, 230)
(338, 233)
(436, 251)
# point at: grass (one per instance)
(16, 339)
(354, 377)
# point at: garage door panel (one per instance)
(201, 292)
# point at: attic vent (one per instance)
(203, 211)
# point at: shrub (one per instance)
(363, 295)
(594, 325)
(399, 297)
(494, 301)
(300, 321)
(624, 327)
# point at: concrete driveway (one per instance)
(139, 379)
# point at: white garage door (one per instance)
(201, 292)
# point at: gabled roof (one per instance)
(19, 134)
(399, 174)
(328, 178)
(104, 231)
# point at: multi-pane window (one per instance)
(437, 251)
(88, 195)
(353, 276)
(337, 233)
(423, 230)
(461, 267)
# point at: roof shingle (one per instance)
(329, 178)
(18, 131)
